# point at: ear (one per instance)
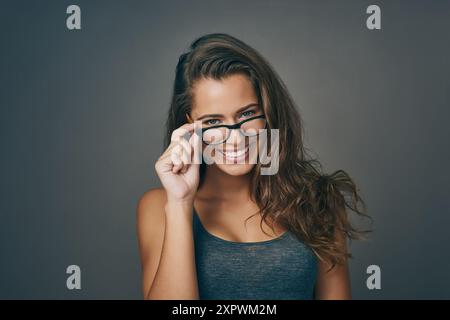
(189, 119)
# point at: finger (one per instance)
(186, 151)
(171, 159)
(196, 143)
(189, 147)
(175, 159)
(164, 164)
(176, 169)
(181, 151)
(185, 168)
(186, 157)
(175, 155)
(179, 164)
(181, 131)
(168, 151)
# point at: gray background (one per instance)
(82, 123)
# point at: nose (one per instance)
(236, 140)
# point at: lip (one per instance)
(238, 158)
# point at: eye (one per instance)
(248, 113)
(211, 122)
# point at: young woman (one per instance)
(224, 230)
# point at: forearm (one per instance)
(176, 277)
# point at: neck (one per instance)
(220, 185)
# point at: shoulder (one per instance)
(150, 223)
(150, 213)
(153, 198)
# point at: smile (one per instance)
(239, 155)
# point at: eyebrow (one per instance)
(217, 115)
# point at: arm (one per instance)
(166, 247)
(334, 284)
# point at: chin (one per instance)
(236, 169)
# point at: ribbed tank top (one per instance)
(283, 268)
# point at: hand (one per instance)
(176, 169)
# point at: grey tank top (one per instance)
(283, 268)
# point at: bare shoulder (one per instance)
(150, 218)
(151, 201)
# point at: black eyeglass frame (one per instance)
(232, 127)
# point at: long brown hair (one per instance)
(300, 197)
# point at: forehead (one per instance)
(224, 96)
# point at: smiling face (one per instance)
(227, 101)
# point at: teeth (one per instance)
(235, 154)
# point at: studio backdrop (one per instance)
(85, 91)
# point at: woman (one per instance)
(224, 230)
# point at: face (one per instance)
(228, 101)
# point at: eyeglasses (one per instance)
(219, 134)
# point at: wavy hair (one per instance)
(300, 196)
